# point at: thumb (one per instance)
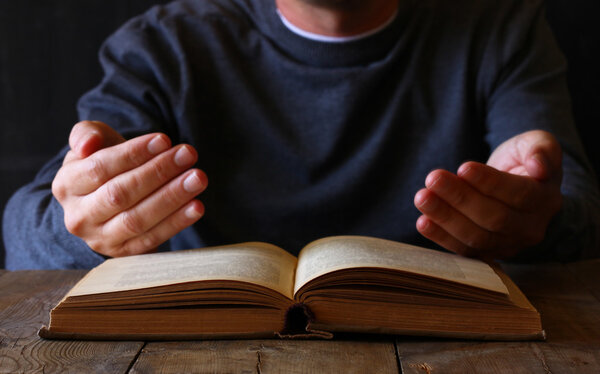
(538, 166)
(543, 158)
(88, 137)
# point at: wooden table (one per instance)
(567, 296)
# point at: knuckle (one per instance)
(150, 241)
(59, 190)
(160, 172)
(74, 223)
(172, 196)
(139, 245)
(116, 195)
(132, 223)
(99, 246)
(134, 155)
(96, 170)
(126, 250)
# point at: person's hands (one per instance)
(494, 211)
(127, 197)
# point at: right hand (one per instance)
(127, 197)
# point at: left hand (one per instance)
(493, 211)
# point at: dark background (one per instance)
(48, 58)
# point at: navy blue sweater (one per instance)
(303, 139)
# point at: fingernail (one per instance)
(432, 180)
(184, 157)
(157, 145)
(423, 224)
(192, 213)
(428, 203)
(192, 183)
(81, 142)
(89, 144)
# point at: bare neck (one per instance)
(337, 17)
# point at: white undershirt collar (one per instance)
(334, 39)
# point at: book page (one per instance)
(259, 263)
(343, 252)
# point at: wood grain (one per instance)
(429, 356)
(25, 301)
(570, 312)
(570, 315)
(565, 295)
(269, 356)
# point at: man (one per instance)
(316, 118)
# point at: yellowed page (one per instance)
(342, 252)
(258, 263)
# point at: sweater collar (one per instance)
(324, 54)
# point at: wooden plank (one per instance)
(26, 298)
(570, 312)
(269, 356)
(570, 316)
(570, 357)
(434, 356)
(588, 272)
(570, 322)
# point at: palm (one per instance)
(534, 154)
(504, 160)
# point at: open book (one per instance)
(337, 284)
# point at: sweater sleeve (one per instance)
(528, 91)
(34, 232)
(131, 99)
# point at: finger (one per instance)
(155, 208)
(540, 166)
(88, 137)
(534, 153)
(543, 155)
(69, 157)
(129, 188)
(435, 233)
(519, 192)
(89, 174)
(486, 212)
(163, 231)
(454, 223)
